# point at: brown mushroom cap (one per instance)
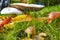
(31, 30)
(24, 6)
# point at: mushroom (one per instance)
(23, 6)
(31, 31)
(42, 36)
(11, 10)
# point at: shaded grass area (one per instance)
(52, 30)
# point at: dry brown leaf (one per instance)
(42, 18)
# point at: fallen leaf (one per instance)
(22, 18)
(9, 26)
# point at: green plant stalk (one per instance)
(28, 1)
(28, 35)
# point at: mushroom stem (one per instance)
(28, 35)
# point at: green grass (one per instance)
(52, 30)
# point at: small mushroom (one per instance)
(31, 30)
(42, 36)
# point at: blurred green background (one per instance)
(46, 2)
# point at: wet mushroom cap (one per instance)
(11, 10)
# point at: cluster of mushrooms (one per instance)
(31, 34)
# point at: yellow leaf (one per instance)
(22, 18)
